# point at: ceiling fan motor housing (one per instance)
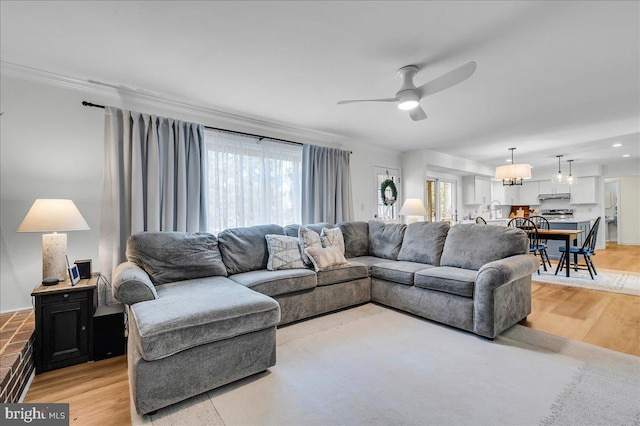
(408, 97)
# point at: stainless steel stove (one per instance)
(557, 213)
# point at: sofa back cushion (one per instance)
(356, 238)
(245, 249)
(470, 246)
(176, 256)
(292, 230)
(423, 242)
(385, 239)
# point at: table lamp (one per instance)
(413, 207)
(53, 215)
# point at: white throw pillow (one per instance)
(308, 239)
(332, 237)
(325, 258)
(284, 253)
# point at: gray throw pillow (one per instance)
(176, 256)
(423, 242)
(385, 239)
(284, 253)
(308, 239)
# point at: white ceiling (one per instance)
(552, 78)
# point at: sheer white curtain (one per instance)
(154, 180)
(252, 181)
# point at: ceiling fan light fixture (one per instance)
(408, 105)
(407, 100)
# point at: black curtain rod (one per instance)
(260, 137)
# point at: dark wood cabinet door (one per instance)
(65, 331)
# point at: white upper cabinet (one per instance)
(529, 192)
(476, 190)
(548, 187)
(584, 190)
(506, 195)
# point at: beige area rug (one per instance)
(606, 280)
(371, 365)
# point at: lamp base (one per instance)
(54, 256)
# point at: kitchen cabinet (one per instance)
(529, 192)
(584, 190)
(505, 195)
(548, 187)
(476, 190)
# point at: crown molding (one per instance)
(121, 93)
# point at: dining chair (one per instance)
(587, 250)
(531, 229)
(542, 223)
(481, 220)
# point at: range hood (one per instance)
(555, 196)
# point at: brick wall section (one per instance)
(16, 353)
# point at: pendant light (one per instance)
(558, 177)
(513, 174)
(570, 179)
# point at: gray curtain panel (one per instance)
(154, 180)
(326, 185)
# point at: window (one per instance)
(441, 201)
(252, 181)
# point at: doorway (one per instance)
(441, 200)
(387, 208)
(612, 210)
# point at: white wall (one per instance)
(52, 147)
(629, 213)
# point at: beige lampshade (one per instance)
(513, 171)
(53, 215)
(413, 207)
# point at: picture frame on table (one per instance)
(74, 274)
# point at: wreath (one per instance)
(388, 201)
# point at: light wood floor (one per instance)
(98, 393)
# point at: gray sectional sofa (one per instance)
(203, 310)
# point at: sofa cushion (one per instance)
(274, 283)
(176, 256)
(470, 246)
(245, 249)
(324, 258)
(340, 274)
(356, 238)
(385, 239)
(398, 271)
(332, 237)
(292, 230)
(308, 238)
(284, 253)
(368, 261)
(447, 280)
(196, 312)
(423, 242)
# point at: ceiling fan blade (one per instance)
(447, 80)
(368, 100)
(417, 113)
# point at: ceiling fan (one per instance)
(409, 96)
